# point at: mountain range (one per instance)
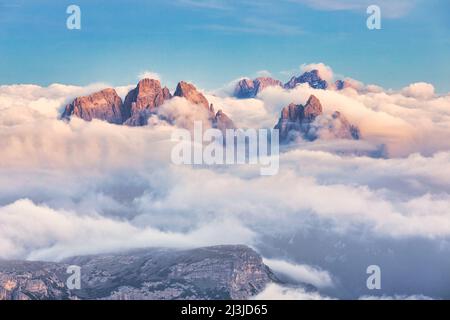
(296, 121)
(248, 88)
(221, 272)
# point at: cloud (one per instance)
(256, 26)
(264, 73)
(420, 90)
(205, 4)
(325, 72)
(402, 124)
(182, 113)
(277, 292)
(41, 233)
(88, 187)
(301, 273)
(389, 9)
(149, 75)
(396, 297)
(248, 113)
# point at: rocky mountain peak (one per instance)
(222, 122)
(313, 108)
(247, 88)
(147, 96)
(104, 105)
(140, 104)
(291, 112)
(311, 77)
(342, 128)
(190, 93)
(308, 122)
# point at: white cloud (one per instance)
(41, 233)
(325, 72)
(96, 187)
(301, 273)
(205, 4)
(248, 113)
(264, 73)
(396, 297)
(390, 9)
(149, 75)
(403, 124)
(183, 113)
(278, 292)
(420, 90)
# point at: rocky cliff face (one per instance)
(140, 103)
(147, 96)
(247, 88)
(190, 93)
(222, 272)
(104, 105)
(222, 122)
(308, 122)
(218, 120)
(312, 78)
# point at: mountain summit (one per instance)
(247, 88)
(220, 272)
(140, 104)
(308, 122)
(105, 105)
(311, 77)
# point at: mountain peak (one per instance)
(147, 96)
(308, 122)
(313, 108)
(311, 77)
(104, 105)
(190, 93)
(247, 88)
(140, 104)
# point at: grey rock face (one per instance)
(247, 88)
(222, 272)
(103, 105)
(308, 122)
(20, 280)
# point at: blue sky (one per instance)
(212, 42)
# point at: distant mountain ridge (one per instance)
(247, 88)
(221, 272)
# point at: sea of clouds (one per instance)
(72, 188)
